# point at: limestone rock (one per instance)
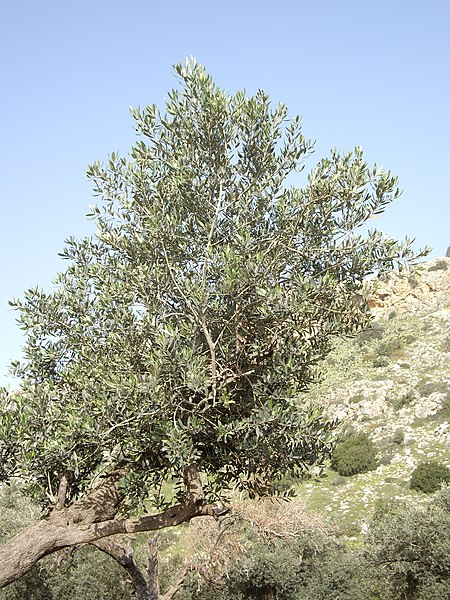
(425, 289)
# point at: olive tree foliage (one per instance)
(177, 341)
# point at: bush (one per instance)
(380, 361)
(428, 476)
(426, 387)
(355, 454)
(306, 568)
(32, 585)
(405, 399)
(406, 551)
(441, 265)
(339, 480)
(389, 346)
(374, 332)
(413, 280)
(398, 437)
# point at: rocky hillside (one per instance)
(392, 382)
(424, 290)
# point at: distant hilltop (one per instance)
(423, 289)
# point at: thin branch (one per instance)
(179, 582)
(206, 332)
(125, 558)
(153, 565)
(210, 236)
(62, 492)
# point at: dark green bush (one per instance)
(426, 387)
(428, 476)
(413, 280)
(295, 569)
(389, 346)
(375, 332)
(32, 586)
(355, 454)
(406, 551)
(445, 408)
(385, 459)
(339, 480)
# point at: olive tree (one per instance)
(167, 365)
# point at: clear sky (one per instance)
(374, 74)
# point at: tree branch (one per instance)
(123, 555)
(62, 492)
(206, 332)
(179, 582)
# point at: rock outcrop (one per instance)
(424, 289)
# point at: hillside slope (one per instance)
(392, 382)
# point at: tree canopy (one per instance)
(177, 343)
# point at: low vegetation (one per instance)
(267, 550)
(354, 454)
(429, 476)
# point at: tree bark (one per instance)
(179, 582)
(93, 518)
(124, 556)
(146, 585)
(153, 567)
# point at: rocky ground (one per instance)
(392, 382)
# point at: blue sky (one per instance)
(374, 74)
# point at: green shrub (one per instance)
(406, 551)
(398, 437)
(297, 569)
(428, 476)
(339, 480)
(426, 387)
(439, 265)
(405, 399)
(446, 344)
(389, 346)
(380, 361)
(385, 459)
(375, 332)
(444, 413)
(447, 254)
(356, 398)
(413, 280)
(31, 586)
(355, 454)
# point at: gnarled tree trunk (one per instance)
(93, 518)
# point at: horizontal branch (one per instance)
(93, 518)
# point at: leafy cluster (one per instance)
(429, 476)
(185, 331)
(406, 551)
(355, 454)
